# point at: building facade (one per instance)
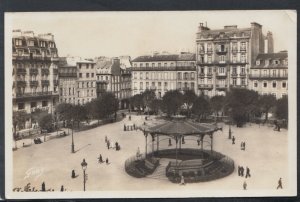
(67, 80)
(115, 77)
(269, 74)
(86, 82)
(35, 72)
(224, 56)
(163, 72)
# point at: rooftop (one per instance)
(169, 57)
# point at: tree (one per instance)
(239, 103)
(109, 103)
(79, 114)
(201, 107)
(189, 98)
(45, 122)
(19, 119)
(217, 103)
(266, 102)
(148, 96)
(172, 102)
(281, 110)
(64, 111)
(137, 101)
(155, 105)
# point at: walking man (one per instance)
(233, 140)
(244, 146)
(242, 171)
(107, 161)
(248, 172)
(170, 143)
(182, 182)
(245, 185)
(100, 160)
(279, 184)
(239, 170)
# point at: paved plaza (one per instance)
(51, 162)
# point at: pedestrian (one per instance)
(129, 117)
(23, 144)
(170, 142)
(138, 153)
(183, 142)
(247, 172)
(124, 127)
(43, 186)
(182, 182)
(198, 142)
(133, 126)
(233, 140)
(242, 171)
(245, 185)
(105, 139)
(106, 161)
(117, 146)
(244, 146)
(73, 174)
(279, 184)
(100, 160)
(62, 188)
(239, 170)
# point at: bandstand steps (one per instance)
(160, 171)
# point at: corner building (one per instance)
(35, 72)
(224, 56)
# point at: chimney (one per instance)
(17, 32)
(28, 33)
(202, 27)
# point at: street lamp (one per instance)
(84, 167)
(229, 132)
(72, 146)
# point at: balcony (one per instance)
(64, 74)
(201, 75)
(243, 74)
(221, 86)
(243, 49)
(224, 75)
(45, 71)
(201, 52)
(234, 51)
(209, 74)
(21, 83)
(221, 51)
(234, 74)
(271, 77)
(45, 109)
(21, 71)
(34, 83)
(33, 71)
(45, 82)
(32, 96)
(26, 57)
(209, 51)
(205, 86)
(237, 86)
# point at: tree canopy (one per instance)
(172, 102)
(201, 107)
(282, 111)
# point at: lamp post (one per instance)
(72, 146)
(84, 167)
(229, 131)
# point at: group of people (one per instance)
(241, 171)
(117, 145)
(277, 126)
(243, 146)
(130, 127)
(100, 160)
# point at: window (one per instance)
(69, 91)
(179, 85)
(87, 84)
(159, 64)
(82, 84)
(193, 75)
(92, 66)
(141, 64)
(141, 85)
(274, 72)
(265, 72)
(87, 66)
(221, 70)
(234, 46)
(185, 75)
(243, 45)
(30, 43)
(265, 84)
(141, 75)
(257, 62)
(79, 65)
(192, 85)
(209, 47)
(234, 58)
(209, 59)
(135, 65)
(88, 92)
(243, 81)
(209, 70)
(242, 70)
(222, 58)
(33, 104)
(44, 103)
(179, 75)
(165, 64)
(18, 42)
(147, 75)
(80, 75)
(21, 106)
(87, 75)
(234, 81)
(234, 70)
(147, 85)
(283, 84)
(202, 70)
(147, 64)
(255, 84)
(284, 73)
(274, 84)
(243, 58)
(153, 64)
(92, 75)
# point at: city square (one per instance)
(264, 147)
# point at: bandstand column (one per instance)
(176, 140)
(145, 134)
(211, 142)
(180, 137)
(153, 139)
(157, 142)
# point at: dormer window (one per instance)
(266, 62)
(18, 42)
(276, 62)
(257, 62)
(243, 34)
(30, 43)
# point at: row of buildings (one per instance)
(225, 58)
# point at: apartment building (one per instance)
(163, 72)
(269, 74)
(224, 56)
(35, 72)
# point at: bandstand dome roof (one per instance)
(181, 127)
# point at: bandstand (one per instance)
(195, 164)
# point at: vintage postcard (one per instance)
(150, 104)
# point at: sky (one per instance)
(112, 34)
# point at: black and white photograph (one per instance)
(150, 104)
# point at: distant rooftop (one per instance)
(166, 57)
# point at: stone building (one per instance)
(269, 74)
(114, 75)
(163, 72)
(35, 72)
(224, 56)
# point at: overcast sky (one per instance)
(91, 34)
